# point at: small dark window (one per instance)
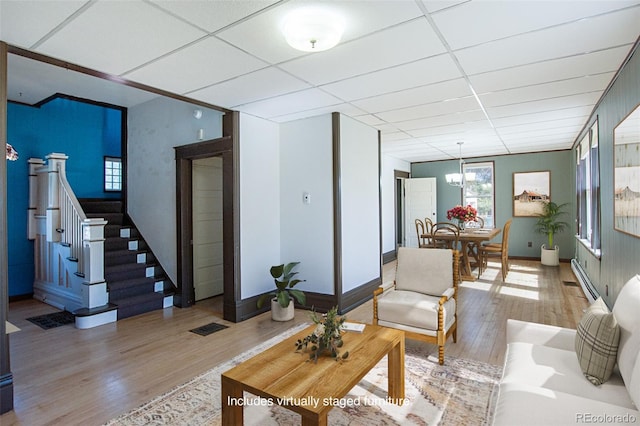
(112, 174)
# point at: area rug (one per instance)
(53, 320)
(461, 392)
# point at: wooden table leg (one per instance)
(312, 419)
(396, 372)
(466, 265)
(232, 411)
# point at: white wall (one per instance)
(154, 129)
(389, 165)
(359, 195)
(259, 204)
(306, 233)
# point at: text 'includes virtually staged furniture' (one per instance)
(423, 301)
(554, 375)
(282, 376)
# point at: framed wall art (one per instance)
(626, 178)
(531, 191)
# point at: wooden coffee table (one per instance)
(285, 377)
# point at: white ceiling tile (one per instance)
(292, 103)
(360, 19)
(548, 126)
(586, 99)
(23, 23)
(28, 90)
(435, 109)
(558, 69)
(369, 119)
(414, 74)
(355, 57)
(420, 95)
(427, 122)
(140, 31)
(346, 109)
(436, 5)
(395, 136)
(485, 21)
(551, 90)
(602, 32)
(213, 15)
(201, 64)
(540, 118)
(250, 88)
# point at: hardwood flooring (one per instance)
(86, 377)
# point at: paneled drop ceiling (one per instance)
(505, 76)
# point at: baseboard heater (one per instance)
(589, 290)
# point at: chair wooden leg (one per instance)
(441, 355)
(455, 335)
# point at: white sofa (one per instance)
(543, 384)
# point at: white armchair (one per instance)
(423, 300)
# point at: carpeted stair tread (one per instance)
(118, 257)
(132, 282)
(140, 304)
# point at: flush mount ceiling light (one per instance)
(312, 29)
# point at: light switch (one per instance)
(306, 198)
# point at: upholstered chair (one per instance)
(423, 300)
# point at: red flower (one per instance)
(464, 214)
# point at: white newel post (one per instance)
(94, 286)
(34, 165)
(56, 164)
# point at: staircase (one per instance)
(136, 282)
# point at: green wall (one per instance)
(559, 163)
(620, 251)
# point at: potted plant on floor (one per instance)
(549, 224)
(281, 299)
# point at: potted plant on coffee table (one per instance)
(549, 224)
(281, 299)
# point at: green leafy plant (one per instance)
(549, 222)
(283, 277)
(327, 336)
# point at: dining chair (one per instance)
(472, 247)
(496, 249)
(439, 230)
(421, 231)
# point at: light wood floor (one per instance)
(86, 377)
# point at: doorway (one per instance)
(208, 241)
(188, 156)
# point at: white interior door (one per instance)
(208, 277)
(419, 203)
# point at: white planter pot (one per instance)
(278, 313)
(550, 257)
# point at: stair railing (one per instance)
(57, 219)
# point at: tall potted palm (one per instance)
(282, 298)
(549, 223)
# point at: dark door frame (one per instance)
(225, 148)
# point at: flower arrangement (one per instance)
(462, 214)
(327, 336)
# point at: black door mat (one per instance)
(208, 329)
(53, 320)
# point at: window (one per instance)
(588, 189)
(478, 190)
(112, 174)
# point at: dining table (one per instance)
(466, 237)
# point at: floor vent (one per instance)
(208, 329)
(570, 283)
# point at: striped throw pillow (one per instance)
(596, 343)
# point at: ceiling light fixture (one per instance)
(459, 179)
(312, 29)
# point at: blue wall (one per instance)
(559, 163)
(84, 132)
